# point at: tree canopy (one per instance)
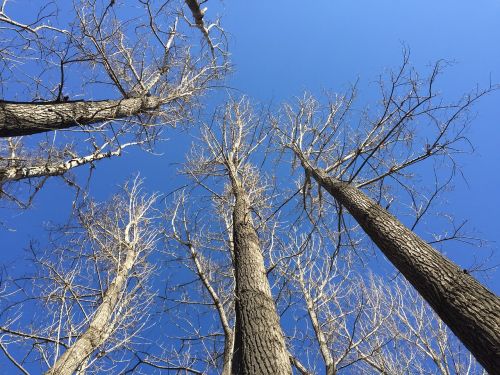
(204, 187)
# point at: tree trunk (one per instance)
(228, 332)
(17, 119)
(320, 336)
(194, 6)
(228, 353)
(470, 310)
(100, 326)
(56, 169)
(259, 346)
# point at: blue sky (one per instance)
(279, 49)
(283, 48)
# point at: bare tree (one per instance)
(149, 72)
(204, 252)
(259, 345)
(207, 251)
(91, 295)
(343, 158)
(136, 70)
(348, 318)
(357, 322)
(428, 343)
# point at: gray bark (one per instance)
(469, 309)
(259, 345)
(17, 119)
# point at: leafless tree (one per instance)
(358, 322)
(207, 250)
(90, 297)
(84, 81)
(109, 73)
(423, 338)
(412, 125)
(259, 344)
(202, 250)
(348, 318)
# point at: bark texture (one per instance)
(470, 310)
(17, 119)
(100, 326)
(55, 169)
(259, 346)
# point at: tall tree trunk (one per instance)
(259, 346)
(100, 326)
(18, 119)
(470, 310)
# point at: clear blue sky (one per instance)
(279, 49)
(282, 48)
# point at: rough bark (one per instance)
(259, 346)
(470, 310)
(17, 119)
(100, 326)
